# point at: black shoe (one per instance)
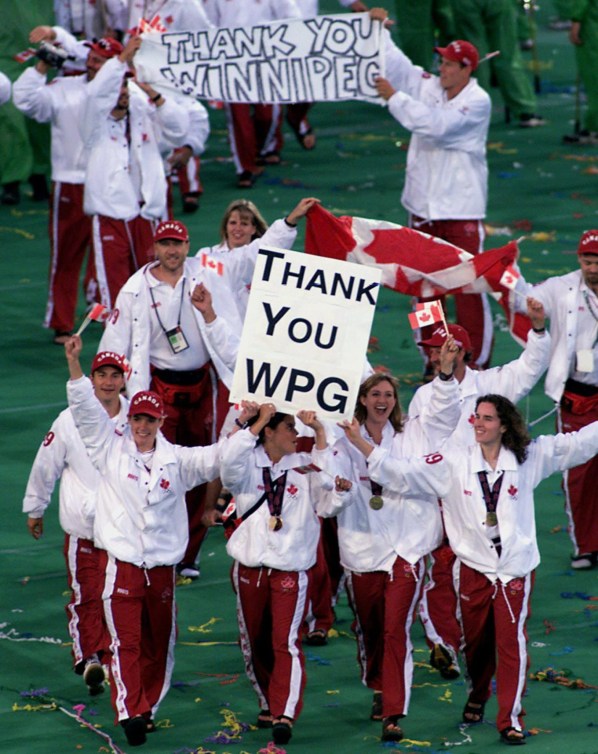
(317, 638)
(135, 730)
(11, 193)
(583, 138)
(246, 179)
(39, 184)
(282, 730)
(191, 202)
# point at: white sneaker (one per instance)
(188, 571)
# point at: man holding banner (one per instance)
(447, 175)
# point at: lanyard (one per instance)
(155, 306)
(274, 491)
(490, 496)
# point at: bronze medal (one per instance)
(275, 523)
(491, 518)
(376, 502)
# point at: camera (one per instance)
(54, 56)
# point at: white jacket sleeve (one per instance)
(429, 475)
(516, 379)
(223, 340)
(200, 464)
(550, 453)
(93, 423)
(47, 469)
(450, 128)
(173, 121)
(236, 457)
(102, 96)
(400, 71)
(440, 416)
(32, 96)
(4, 88)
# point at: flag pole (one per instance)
(84, 325)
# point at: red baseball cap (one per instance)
(146, 402)
(588, 243)
(106, 47)
(171, 229)
(108, 359)
(438, 337)
(460, 51)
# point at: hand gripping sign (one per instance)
(306, 333)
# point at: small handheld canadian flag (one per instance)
(426, 313)
(510, 277)
(97, 313)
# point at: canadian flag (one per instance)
(510, 277)
(426, 313)
(153, 25)
(98, 313)
(413, 262)
(211, 264)
(25, 55)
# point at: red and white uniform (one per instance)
(279, 234)
(62, 104)
(125, 183)
(62, 455)
(141, 523)
(196, 138)
(193, 383)
(573, 311)
(382, 550)
(438, 607)
(446, 183)
(254, 130)
(271, 571)
(495, 589)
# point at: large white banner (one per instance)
(306, 333)
(322, 59)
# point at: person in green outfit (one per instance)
(492, 25)
(584, 35)
(421, 26)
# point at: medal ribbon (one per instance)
(376, 488)
(274, 491)
(490, 497)
(491, 500)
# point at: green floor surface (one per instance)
(538, 188)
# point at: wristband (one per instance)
(291, 225)
(239, 424)
(539, 330)
(156, 98)
(445, 377)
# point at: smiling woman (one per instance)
(141, 528)
(382, 539)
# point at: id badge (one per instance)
(176, 338)
(585, 360)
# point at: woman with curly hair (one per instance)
(489, 519)
(387, 524)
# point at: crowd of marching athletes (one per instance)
(383, 501)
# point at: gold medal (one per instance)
(275, 523)
(491, 518)
(376, 502)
